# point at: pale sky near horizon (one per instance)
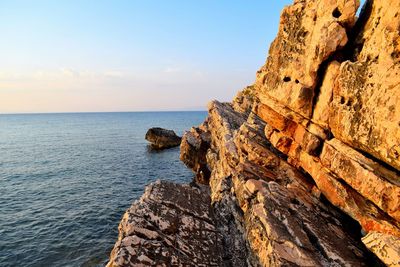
(88, 56)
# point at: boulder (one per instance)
(162, 138)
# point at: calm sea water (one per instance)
(66, 180)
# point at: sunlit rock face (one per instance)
(309, 33)
(365, 111)
(278, 208)
(303, 166)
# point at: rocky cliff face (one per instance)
(303, 167)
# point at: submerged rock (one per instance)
(162, 138)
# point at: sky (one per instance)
(100, 56)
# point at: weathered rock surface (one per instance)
(171, 225)
(244, 100)
(194, 146)
(303, 167)
(276, 206)
(386, 247)
(365, 111)
(309, 33)
(162, 138)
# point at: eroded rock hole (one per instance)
(336, 13)
(395, 55)
(294, 201)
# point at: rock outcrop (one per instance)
(194, 147)
(278, 208)
(160, 138)
(303, 167)
(171, 225)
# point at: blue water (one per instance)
(66, 180)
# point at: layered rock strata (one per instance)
(280, 210)
(171, 225)
(303, 167)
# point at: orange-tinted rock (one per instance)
(282, 216)
(322, 104)
(272, 117)
(357, 171)
(283, 119)
(309, 32)
(365, 109)
(281, 142)
(346, 198)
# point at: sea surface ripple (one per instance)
(66, 180)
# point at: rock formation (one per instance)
(162, 138)
(170, 225)
(303, 167)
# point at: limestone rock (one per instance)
(309, 32)
(194, 146)
(365, 109)
(359, 172)
(301, 165)
(370, 217)
(386, 247)
(162, 138)
(171, 225)
(286, 232)
(243, 101)
(321, 109)
(280, 215)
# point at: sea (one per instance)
(67, 179)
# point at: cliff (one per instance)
(302, 168)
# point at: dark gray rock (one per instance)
(162, 138)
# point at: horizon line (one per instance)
(89, 112)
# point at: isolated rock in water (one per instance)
(162, 138)
(171, 225)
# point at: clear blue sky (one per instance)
(63, 56)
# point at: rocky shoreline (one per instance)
(302, 168)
